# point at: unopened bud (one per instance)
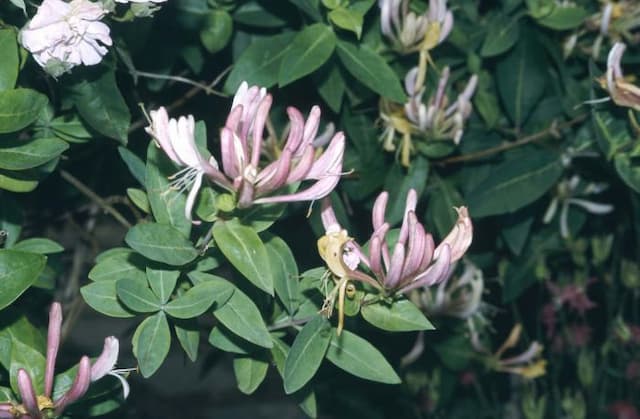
(630, 274)
(225, 202)
(586, 361)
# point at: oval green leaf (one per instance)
(151, 343)
(136, 295)
(19, 108)
(161, 243)
(401, 316)
(18, 271)
(311, 48)
(355, 355)
(199, 299)
(306, 354)
(242, 246)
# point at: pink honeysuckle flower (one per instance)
(243, 171)
(36, 407)
(574, 295)
(409, 32)
(414, 261)
(622, 92)
(63, 35)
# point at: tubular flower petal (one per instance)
(63, 35)
(622, 92)
(409, 32)
(39, 406)
(241, 150)
(410, 264)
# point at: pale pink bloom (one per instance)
(622, 92)
(574, 295)
(457, 296)
(438, 118)
(409, 32)
(38, 406)
(623, 410)
(63, 35)
(244, 171)
(413, 260)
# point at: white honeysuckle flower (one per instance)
(63, 35)
(566, 195)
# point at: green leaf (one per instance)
(21, 155)
(310, 7)
(18, 271)
(242, 246)
(399, 182)
(455, 351)
(99, 102)
(250, 372)
(522, 77)
(136, 295)
(347, 19)
(441, 203)
(612, 133)
(11, 219)
(401, 316)
(151, 343)
(162, 282)
(134, 164)
(515, 230)
(216, 30)
(259, 63)
(241, 316)
(123, 263)
(515, 183)
(220, 337)
(25, 357)
(139, 199)
(161, 243)
(355, 355)
(188, 334)
(306, 354)
(10, 59)
(19, 108)
(628, 171)
(38, 245)
(255, 14)
(520, 274)
(167, 204)
(331, 85)
(285, 272)
(311, 48)
(502, 35)
(563, 18)
(103, 298)
(199, 299)
(369, 68)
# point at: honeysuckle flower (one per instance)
(140, 1)
(622, 92)
(527, 364)
(566, 194)
(36, 406)
(574, 295)
(437, 119)
(411, 262)
(63, 35)
(616, 20)
(409, 32)
(243, 171)
(456, 296)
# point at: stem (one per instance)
(180, 79)
(551, 130)
(289, 323)
(85, 190)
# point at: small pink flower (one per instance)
(413, 260)
(572, 294)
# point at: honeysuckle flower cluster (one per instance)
(527, 364)
(244, 172)
(409, 32)
(438, 119)
(35, 406)
(456, 296)
(622, 92)
(63, 35)
(411, 262)
(615, 20)
(567, 192)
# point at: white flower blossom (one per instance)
(63, 35)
